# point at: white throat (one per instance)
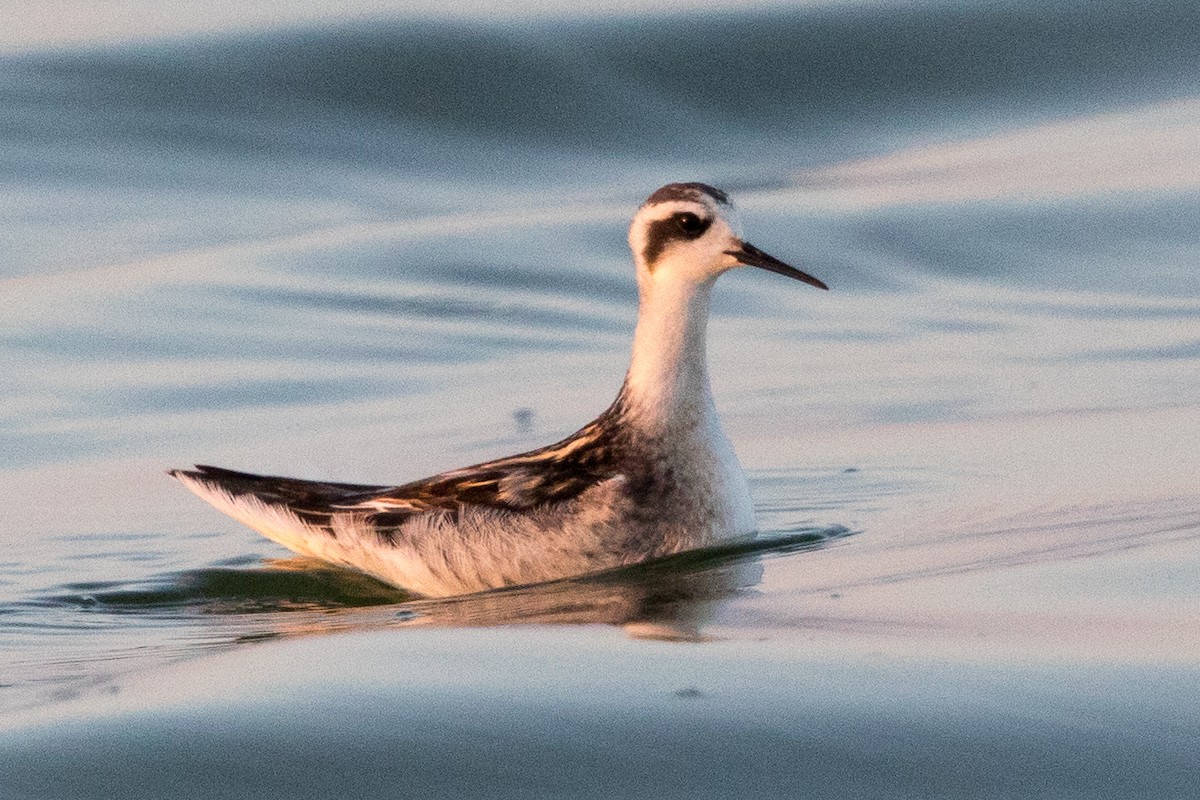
(667, 396)
(667, 386)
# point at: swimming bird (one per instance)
(652, 475)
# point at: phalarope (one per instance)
(652, 475)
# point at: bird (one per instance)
(651, 476)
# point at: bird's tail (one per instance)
(295, 513)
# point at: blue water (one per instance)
(371, 248)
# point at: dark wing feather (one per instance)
(291, 492)
(509, 486)
(552, 474)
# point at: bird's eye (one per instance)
(690, 224)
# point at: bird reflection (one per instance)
(662, 600)
(669, 599)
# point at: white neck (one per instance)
(667, 385)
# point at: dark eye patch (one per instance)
(682, 226)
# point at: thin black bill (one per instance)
(751, 256)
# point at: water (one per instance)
(376, 247)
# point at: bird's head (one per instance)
(691, 232)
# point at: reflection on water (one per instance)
(670, 598)
(198, 610)
(651, 593)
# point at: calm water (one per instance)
(370, 248)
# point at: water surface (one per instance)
(370, 249)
